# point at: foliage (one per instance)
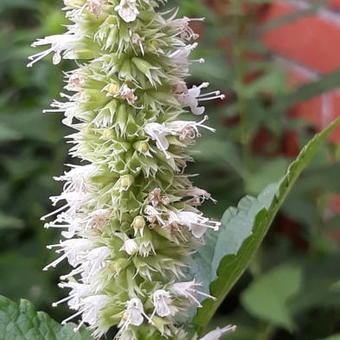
(23, 322)
(226, 254)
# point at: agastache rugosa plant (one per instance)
(130, 217)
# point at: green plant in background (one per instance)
(32, 150)
(233, 156)
(296, 292)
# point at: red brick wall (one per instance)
(310, 47)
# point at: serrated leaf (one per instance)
(227, 253)
(23, 322)
(267, 297)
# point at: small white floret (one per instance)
(218, 333)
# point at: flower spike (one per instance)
(130, 220)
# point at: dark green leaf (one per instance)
(289, 18)
(307, 91)
(332, 337)
(23, 322)
(7, 134)
(10, 222)
(227, 253)
(267, 296)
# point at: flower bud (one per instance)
(125, 182)
(112, 89)
(131, 247)
(141, 146)
(138, 222)
(107, 134)
(119, 265)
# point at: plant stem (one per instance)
(238, 49)
(266, 333)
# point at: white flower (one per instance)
(90, 308)
(180, 57)
(159, 132)
(155, 196)
(127, 9)
(134, 314)
(74, 250)
(98, 218)
(162, 301)
(69, 109)
(154, 215)
(192, 97)
(59, 43)
(196, 223)
(128, 94)
(78, 178)
(199, 195)
(189, 291)
(63, 221)
(95, 260)
(183, 27)
(187, 129)
(130, 246)
(74, 201)
(77, 293)
(95, 6)
(218, 333)
(75, 82)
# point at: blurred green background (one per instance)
(292, 289)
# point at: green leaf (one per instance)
(9, 222)
(332, 337)
(213, 149)
(23, 322)
(268, 296)
(271, 81)
(289, 18)
(7, 134)
(306, 92)
(227, 253)
(267, 172)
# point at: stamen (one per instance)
(55, 263)
(76, 329)
(36, 57)
(71, 317)
(200, 61)
(215, 93)
(53, 111)
(196, 19)
(55, 304)
(50, 225)
(54, 212)
(222, 96)
(72, 273)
